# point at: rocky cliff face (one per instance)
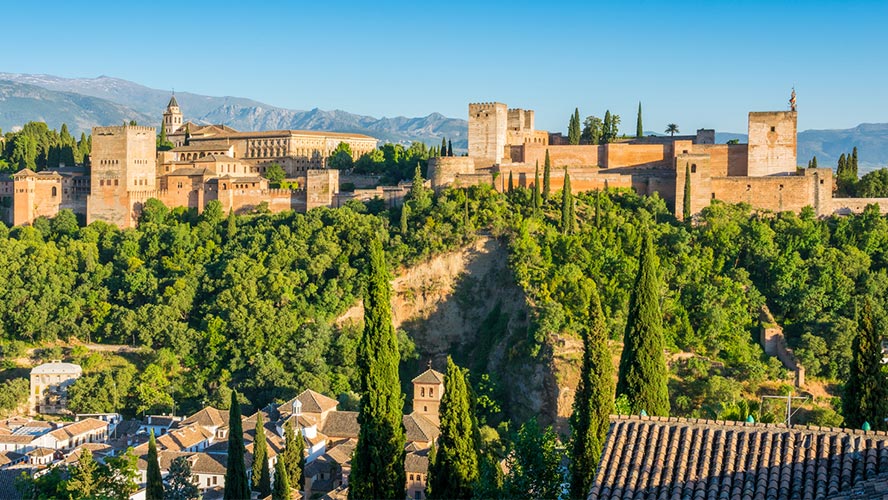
(466, 304)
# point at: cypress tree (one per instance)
(449, 147)
(814, 162)
(236, 485)
(866, 393)
(573, 128)
(261, 474)
(187, 135)
(643, 374)
(639, 131)
(404, 209)
(598, 208)
(547, 171)
(566, 206)
(840, 168)
(294, 454)
(606, 127)
(593, 401)
(281, 489)
(467, 221)
(154, 484)
(454, 471)
(443, 146)
(853, 170)
(511, 186)
(378, 462)
(686, 201)
(536, 188)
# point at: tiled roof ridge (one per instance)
(736, 423)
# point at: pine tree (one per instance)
(566, 206)
(294, 454)
(281, 489)
(511, 185)
(639, 131)
(455, 469)
(443, 146)
(83, 480)
(536, 189)
(866, 392)
(573, 128)
(154, 483)
(236, 485)
(643, 373)
(261, 474)
(378, 462)
(593, 401)
(686, 201)
(179, 485)
(449, 148)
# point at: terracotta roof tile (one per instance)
(654, 457)
(341, 424)
(429, 377)
(419, 428)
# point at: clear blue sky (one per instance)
(697, 64)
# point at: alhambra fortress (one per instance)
(216, 162)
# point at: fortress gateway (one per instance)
(764, 173)
(207, 162)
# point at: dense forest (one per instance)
(214, 302)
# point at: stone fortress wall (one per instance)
(763, 173)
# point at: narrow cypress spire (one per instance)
(593, 401)
(236, 484)
(643, 374)
(454, 471)
(378, 462)
(639, 131)
(154, 486)
(261, 474)
(547, 172)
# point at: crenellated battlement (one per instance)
(485, 106)
(118, 129)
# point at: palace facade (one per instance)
(207, 162)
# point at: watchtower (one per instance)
(172, 116)
(122, 161)
(772, 143)
(428, 388)
(487, 132)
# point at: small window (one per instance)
(821, 181)
(431, 389)
(773, 129)
(116, 182)
(422, 392)
(713, 196)
(425, 409)
(694, 168)
(55, 192)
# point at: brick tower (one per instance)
(172, 116)
(428, 387)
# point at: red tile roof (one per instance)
(657, 457)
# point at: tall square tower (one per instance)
(487, 132)
(772, 143)
(122, 161)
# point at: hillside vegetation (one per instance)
(258, 302)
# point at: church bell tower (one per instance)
(172, 117)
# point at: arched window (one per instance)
(422, 392)
(431, 392)
(54, 192)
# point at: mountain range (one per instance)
(86, 102)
